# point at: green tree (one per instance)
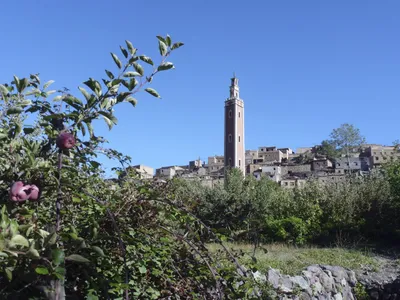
(346, 138)
(327, 149)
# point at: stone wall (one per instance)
(316, 282)
(323, 282)
(295, 169)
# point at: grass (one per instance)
(292, 260)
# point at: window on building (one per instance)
(230, 161)
(239, 114)
(239, 138)
(230, 138)
(377, 158)
(239, 162)
(230, 113)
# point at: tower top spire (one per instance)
(234, 88)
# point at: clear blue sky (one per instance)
(305, 67)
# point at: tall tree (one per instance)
(346, 138)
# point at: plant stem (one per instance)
(59, 194)
(59, 289)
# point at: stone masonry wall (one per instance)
(316, 282)
(323, 282)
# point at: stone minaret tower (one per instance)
(234, 153)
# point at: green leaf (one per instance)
(33, 252)
(72, 101)
(92, 297)
(2, 254)
(91, 83)
(3, 136)
(9, 273)
(3, 90)
(152, 92)
(85, 93)
(98, 250)
(131, 74)
(168, 40)
(94, 85)
(16, 81)
(58, 98)
(124, 52)
(165, 66)
(131, 84)
(19, 240)
(15, 254)
(77, 258)
(146, 59)
(82, 128)
(109, 74)
(23, 83)
(142, 269)
(161, 39)
(90, 128)
(60, 271)
(28, 130)
(42, 270)
(47, 84)
(162, 47)
(57, 256)
(25, 102)
(109, 118)
(14, 110)
(13, 227)
(121, 97)
(138, 68)
(131, 49)
(177, 45)
(51, 239)
(131, 100)
(116, 60)
(34, 91)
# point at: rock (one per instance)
(305, 296)
(327, 281)
(317, 288)
(338, 296)
(273, 277)
(300, 282)
(314, 269)
(374, 295)
(258, 276)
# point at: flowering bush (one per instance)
(64, 230)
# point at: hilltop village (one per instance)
(282, 165)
